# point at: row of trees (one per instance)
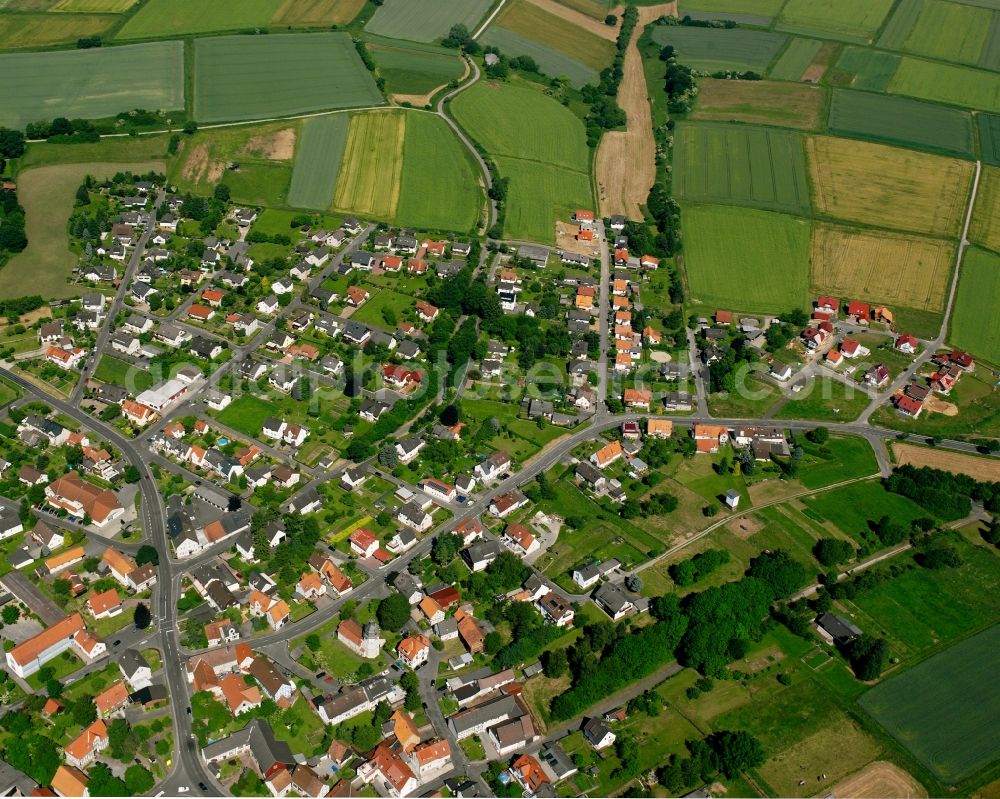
(946, 495)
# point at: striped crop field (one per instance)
(317, 161)
(369, 177)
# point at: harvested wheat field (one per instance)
(370, 171)
(878, 780)
(277, 146)
(574, 17)
(979, 468)
(886, 267)
(626, 160)
(887, 186)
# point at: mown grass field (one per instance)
(887, 186)
(538, 195)
(851, 20)
(946, 710)
(122, 373)
(825, 400)
(47, 194)
(316, 12)
(713, 49)
(943, 30)
(900, 120)
(317, 161)
(762, 167)
(164, 18)
(745, 258)
(88, 83)
(947, 83)
(440, 185)
(247, 414)
(975, 324)
(368, 181)
(985, 226)
(240, 77)
(425, 20)
(852, 507)
(556, 33)
(25, 31)
(796, 59)
(764, 102)
(550, 61)
(413, 71)
(912, 271)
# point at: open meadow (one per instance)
(764, 102)
(317, 161)
(985, 226)
(742, 165)
(756, 261)
(26, 31)
(864, 68)
(946, 710)
(538, 195)
(87, 83)
(881, 267)
(947, 83)
(713, 49)
(368, 181)
(887, 186)
(47, 194)
(425, 20)
(241, 77)
(900, 120)
(850, 20)
(748, 12)
(313, 13)
(948, 31)
(975, 323)
(796, 58)
(160, 19)
(414, 70)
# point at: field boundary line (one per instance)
(489, 19)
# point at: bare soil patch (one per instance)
(626, 160)
(571, 15)
(566, 240)
(817, 69)
(938, 405)
(745, 526)
(980, 468)
(277, 146)
(879, 780)
(199, 166)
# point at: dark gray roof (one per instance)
(131, 660)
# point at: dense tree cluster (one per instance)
(948, 496)
(12, 236)
(687, 572)
(605, 113)
(831, 551)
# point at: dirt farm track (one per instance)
(878, 780)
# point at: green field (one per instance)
(47, 195)
(88, 83)
(549, 169)
(425, 20)
(942, 30)
(242, 77)
(713, 49)
(555, 33)
(761, 167)
(24, 31)
(439, 186)
(868, 69)
(853, 506)
(414, 71)
(975, 324)
(247, 414)
(94, 6)
(946, 711)
(743, 258)
(900, 120)
(825, 400)
(317, 161)
(851, 20)
(795, 60)
(122, 373)
(550, 61)
(989, 138)
(947, 83)
(164, 18)
(745, 12)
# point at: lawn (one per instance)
(946, 711)
(247, 414)
(413, 71)
(764, 102)
(122, 373)
(47, 195)
(332, 657)
(550, 61)
(900, 120)
(440, 185)
(760, 167)
(751, 399)
(841, 458)
(947, 83)
(23, 31)
(851, 20)
(368, 181)
(852, 507)
(825, 400)
(317, 161)
(165, 18)
(371, 312)
(887, 186)
(239, 77)
(74, 83)
(715, 49)
(975, 324)
(745, 258)
(425, 20)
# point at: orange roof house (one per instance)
(659, 428)
(200, 312)
(84, 748)
(106, 603)
(64, 559)
(120, 564)
(637, 397)
(111, 700)
(607, 454)
(72, 493)
(70, 781)
(709, 437)
(405, 730)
